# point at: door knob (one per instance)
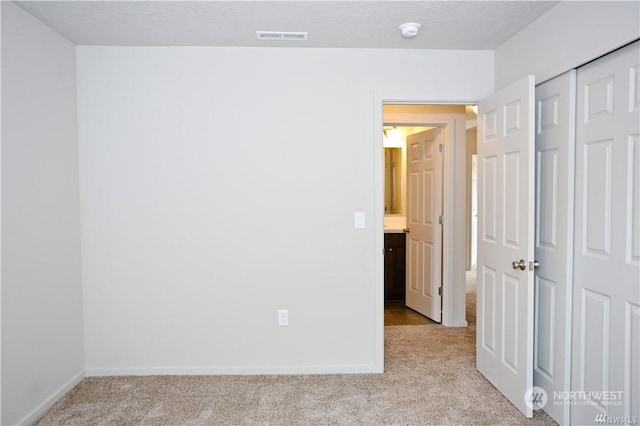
(521, 264)
(405, 230)
(534, 265)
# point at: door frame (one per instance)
(454, 282)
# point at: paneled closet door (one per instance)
(606, 296)
(504, 337)
(555, 156)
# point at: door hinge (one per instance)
(440, 220)
(441, 148)
(440, 291)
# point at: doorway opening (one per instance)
(473, 236)
(447, 280)
(405, 302)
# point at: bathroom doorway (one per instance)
(404, 303)
(456, 120)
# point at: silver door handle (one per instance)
(521, 264)
(534, 265)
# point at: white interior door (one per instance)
(424, 208)
(504, 336)
(555, 156)
(606, 296)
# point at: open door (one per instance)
(504, 337)
(424, 224)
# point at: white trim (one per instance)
(378, 237)
(1, 210)
(231, 370)
(570, 215)
(454, 282)
(52, 399)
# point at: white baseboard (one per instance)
(219, 371)
(457, 324)
(48, 403)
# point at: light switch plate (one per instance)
(359, 220)
(283, 317)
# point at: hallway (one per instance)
(396, 313)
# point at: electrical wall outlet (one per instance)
(283, 317)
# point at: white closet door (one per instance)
(555, 156)
(606, 296)
(504, 337)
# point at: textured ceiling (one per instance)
(474, 25)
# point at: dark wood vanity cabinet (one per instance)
(394, 266)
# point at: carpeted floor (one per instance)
(430, 378)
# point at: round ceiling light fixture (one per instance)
(409, 29)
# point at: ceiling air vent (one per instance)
(282, 35)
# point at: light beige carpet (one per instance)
(430, 378)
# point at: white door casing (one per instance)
(504, 337)
(606, 294)
(424, 208)
(474, 212)
(555, 155)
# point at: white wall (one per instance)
(197, 226)
(42, 336)
(567, 36)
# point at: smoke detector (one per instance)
(409, 29)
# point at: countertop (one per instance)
(392, 231)
(394, 224)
